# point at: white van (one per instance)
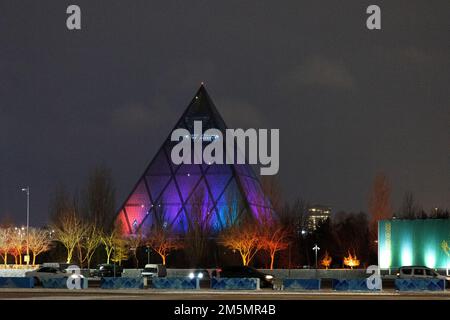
(419, 272)
(154, 270)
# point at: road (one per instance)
(266, 294)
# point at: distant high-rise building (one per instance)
(316, 215)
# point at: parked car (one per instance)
(266, 280)
(201, 274)
(154, 270)
(108, 270)
(419, 272)
(45, 272)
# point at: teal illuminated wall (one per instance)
(413, 242)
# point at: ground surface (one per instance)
(204, 294)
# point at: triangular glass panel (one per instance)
(217, 184)
(186, 184)
(159, 165)
(170, 195)
(189, 169)
(139, 197)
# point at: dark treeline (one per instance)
(281, 241)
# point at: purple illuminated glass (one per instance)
(216, 193)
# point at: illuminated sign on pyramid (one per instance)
(220, 193)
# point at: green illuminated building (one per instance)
(413, 242)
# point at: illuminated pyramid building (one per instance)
(174, 195)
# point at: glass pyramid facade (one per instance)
(172, 195)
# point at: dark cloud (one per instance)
(348, 102)
(321, 72)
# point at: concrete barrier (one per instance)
(235, 283)
(420, 284)
(351, 285)
(7, 273)
(16, 282)
(317, 274)
(179, 283)
(277, 273)
(61, 283)
(122, 283)
(132, 273)
(301, 284)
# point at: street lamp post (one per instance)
(27, 190)
(316, 248)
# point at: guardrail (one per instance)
(301, 284)
(235, 284)
(16, 282)
(61, 283)
(121, 283)
(180, 283)
(420, 284)
(351, 285)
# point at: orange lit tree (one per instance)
(379, 203)
(5, 243)
(326, 260)
(17, 245)
(351, 260)
(245, 238)
(274, 242)
(39, 242)
(273, 236)
(161, 236)
(162, 242)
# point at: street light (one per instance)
(27, 190)
(316, 248)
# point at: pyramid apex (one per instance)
(202, 87)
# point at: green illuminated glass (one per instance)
(413, 242)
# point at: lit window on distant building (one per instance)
(316, 215)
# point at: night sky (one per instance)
(349, 102)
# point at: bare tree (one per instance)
(161, 237)
(111, 240)
(88, 244)
(274, 239)
(99, 199)
(272, 191)
(230, 212)
(293, 217)
(352, 233)
(379, 202)
(17, 245)
(134, 241)
(60, 203)
(244, 238)
(199, 230)
(120, 252)
(409, 209)
(108, 241)
(69, 231)
(5, 243)
(38, 241)
(163, 242)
